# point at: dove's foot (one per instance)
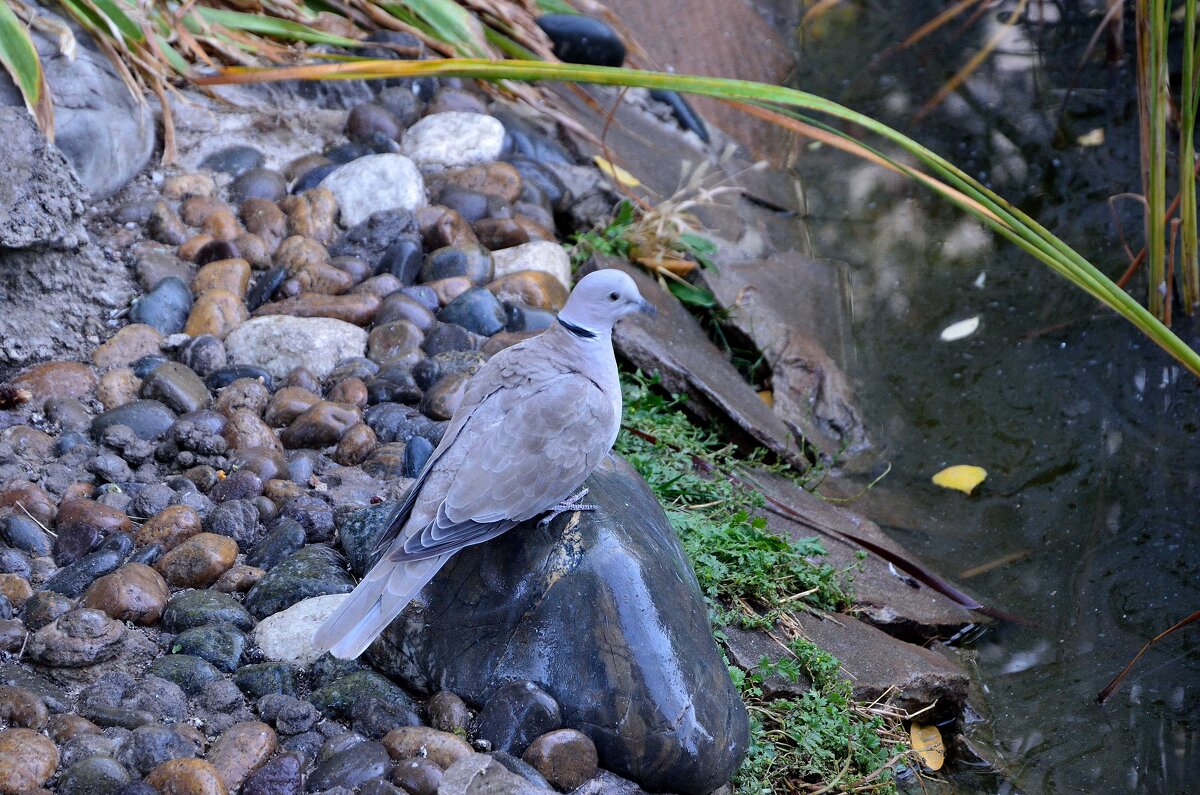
(572, 503)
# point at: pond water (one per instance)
(1089, 433)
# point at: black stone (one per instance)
(220, 644)
(283, 775)
(166, 307)
(516, 715)
(148, 419)
(337, 699)
(25, 535)
(580, 39)
(683, 112)
(608, 620)
(204, 355)
(423, 295)
(470, 204)
(477, 310)
(403, 260)
(313, 514)
(473, 262)
(393, 384)
(149, 746)
(13, 561)
(42, 608)
(148, 556)
(234, 160)
(258, 183)
(285, 537)
(262, 679)
(545, 180)
(92, 776)
(312, 178)
(446, 337)
(74, 579)
(68, 442)
(374, 716)
(313, 571)
(345, 153)
(219, 379)
(369, 239)
(416, 455)
(265, 285)
(236, 519)
(527, 142)
(195, 608)
(289, 715)
(520, 317)
(215, 251)
(350, 768)
(190, 673)
(303, 464)
(146, 365)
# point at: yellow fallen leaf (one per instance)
(927, 743)
(962, 477)
(615, 172)
(767, 396)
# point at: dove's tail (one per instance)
(383, 593)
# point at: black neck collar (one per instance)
(578, 331)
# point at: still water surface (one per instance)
(1089, 433)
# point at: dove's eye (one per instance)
(613, 296)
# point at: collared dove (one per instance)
(534, 422)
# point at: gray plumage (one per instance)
(533, 423)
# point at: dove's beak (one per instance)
(648, 308)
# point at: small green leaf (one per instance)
(118, 22)
(271, 26)
(692, 295)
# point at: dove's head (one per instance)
(600, 299)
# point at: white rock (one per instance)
(373, 183)
(281, 343)
(453, 139)
(540, 255)
(287, 636)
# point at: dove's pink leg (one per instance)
(572, 503)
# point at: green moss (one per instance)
(750, 577)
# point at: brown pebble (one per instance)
(240, 750)
(181, 186)
(442, 399)
(19, 707)
(566, 757)
(27, 761)
(55, 380)
(280, 490)
(170, 527)
(25, 498)
(358, 268)
(355, 445)
(450, 288)
(320, 426)
(441, 226)
(12, 634)
(129, 344)
(532, 288)
(239, 579)
(255, 249)
(312, 214)
(118, 387)
(28, 443)
(303, 164)
(323, 278)
(222, 225)
(382, 285)
(225, 274)
(199, 561)
(64, 726)
(191, 247)
(421, 741)
(296, 253)
(498, 233)
(217, 312)
(15, 589)
(303, 378)
(264, 217)
(165, 225)
(244, 430)
(389, 339)
(196, 210)
(358, 309)
(244, 394)
(264, 462)
(499, 180)
(287, 404)
(417, 776)
(186, 777)
(349, 390)
(135, 592)
(448, 712)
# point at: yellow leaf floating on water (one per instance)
(927, 743)
(615, 172)
(962, 477)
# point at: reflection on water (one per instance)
(1089, 433)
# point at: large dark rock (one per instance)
(606, 617)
